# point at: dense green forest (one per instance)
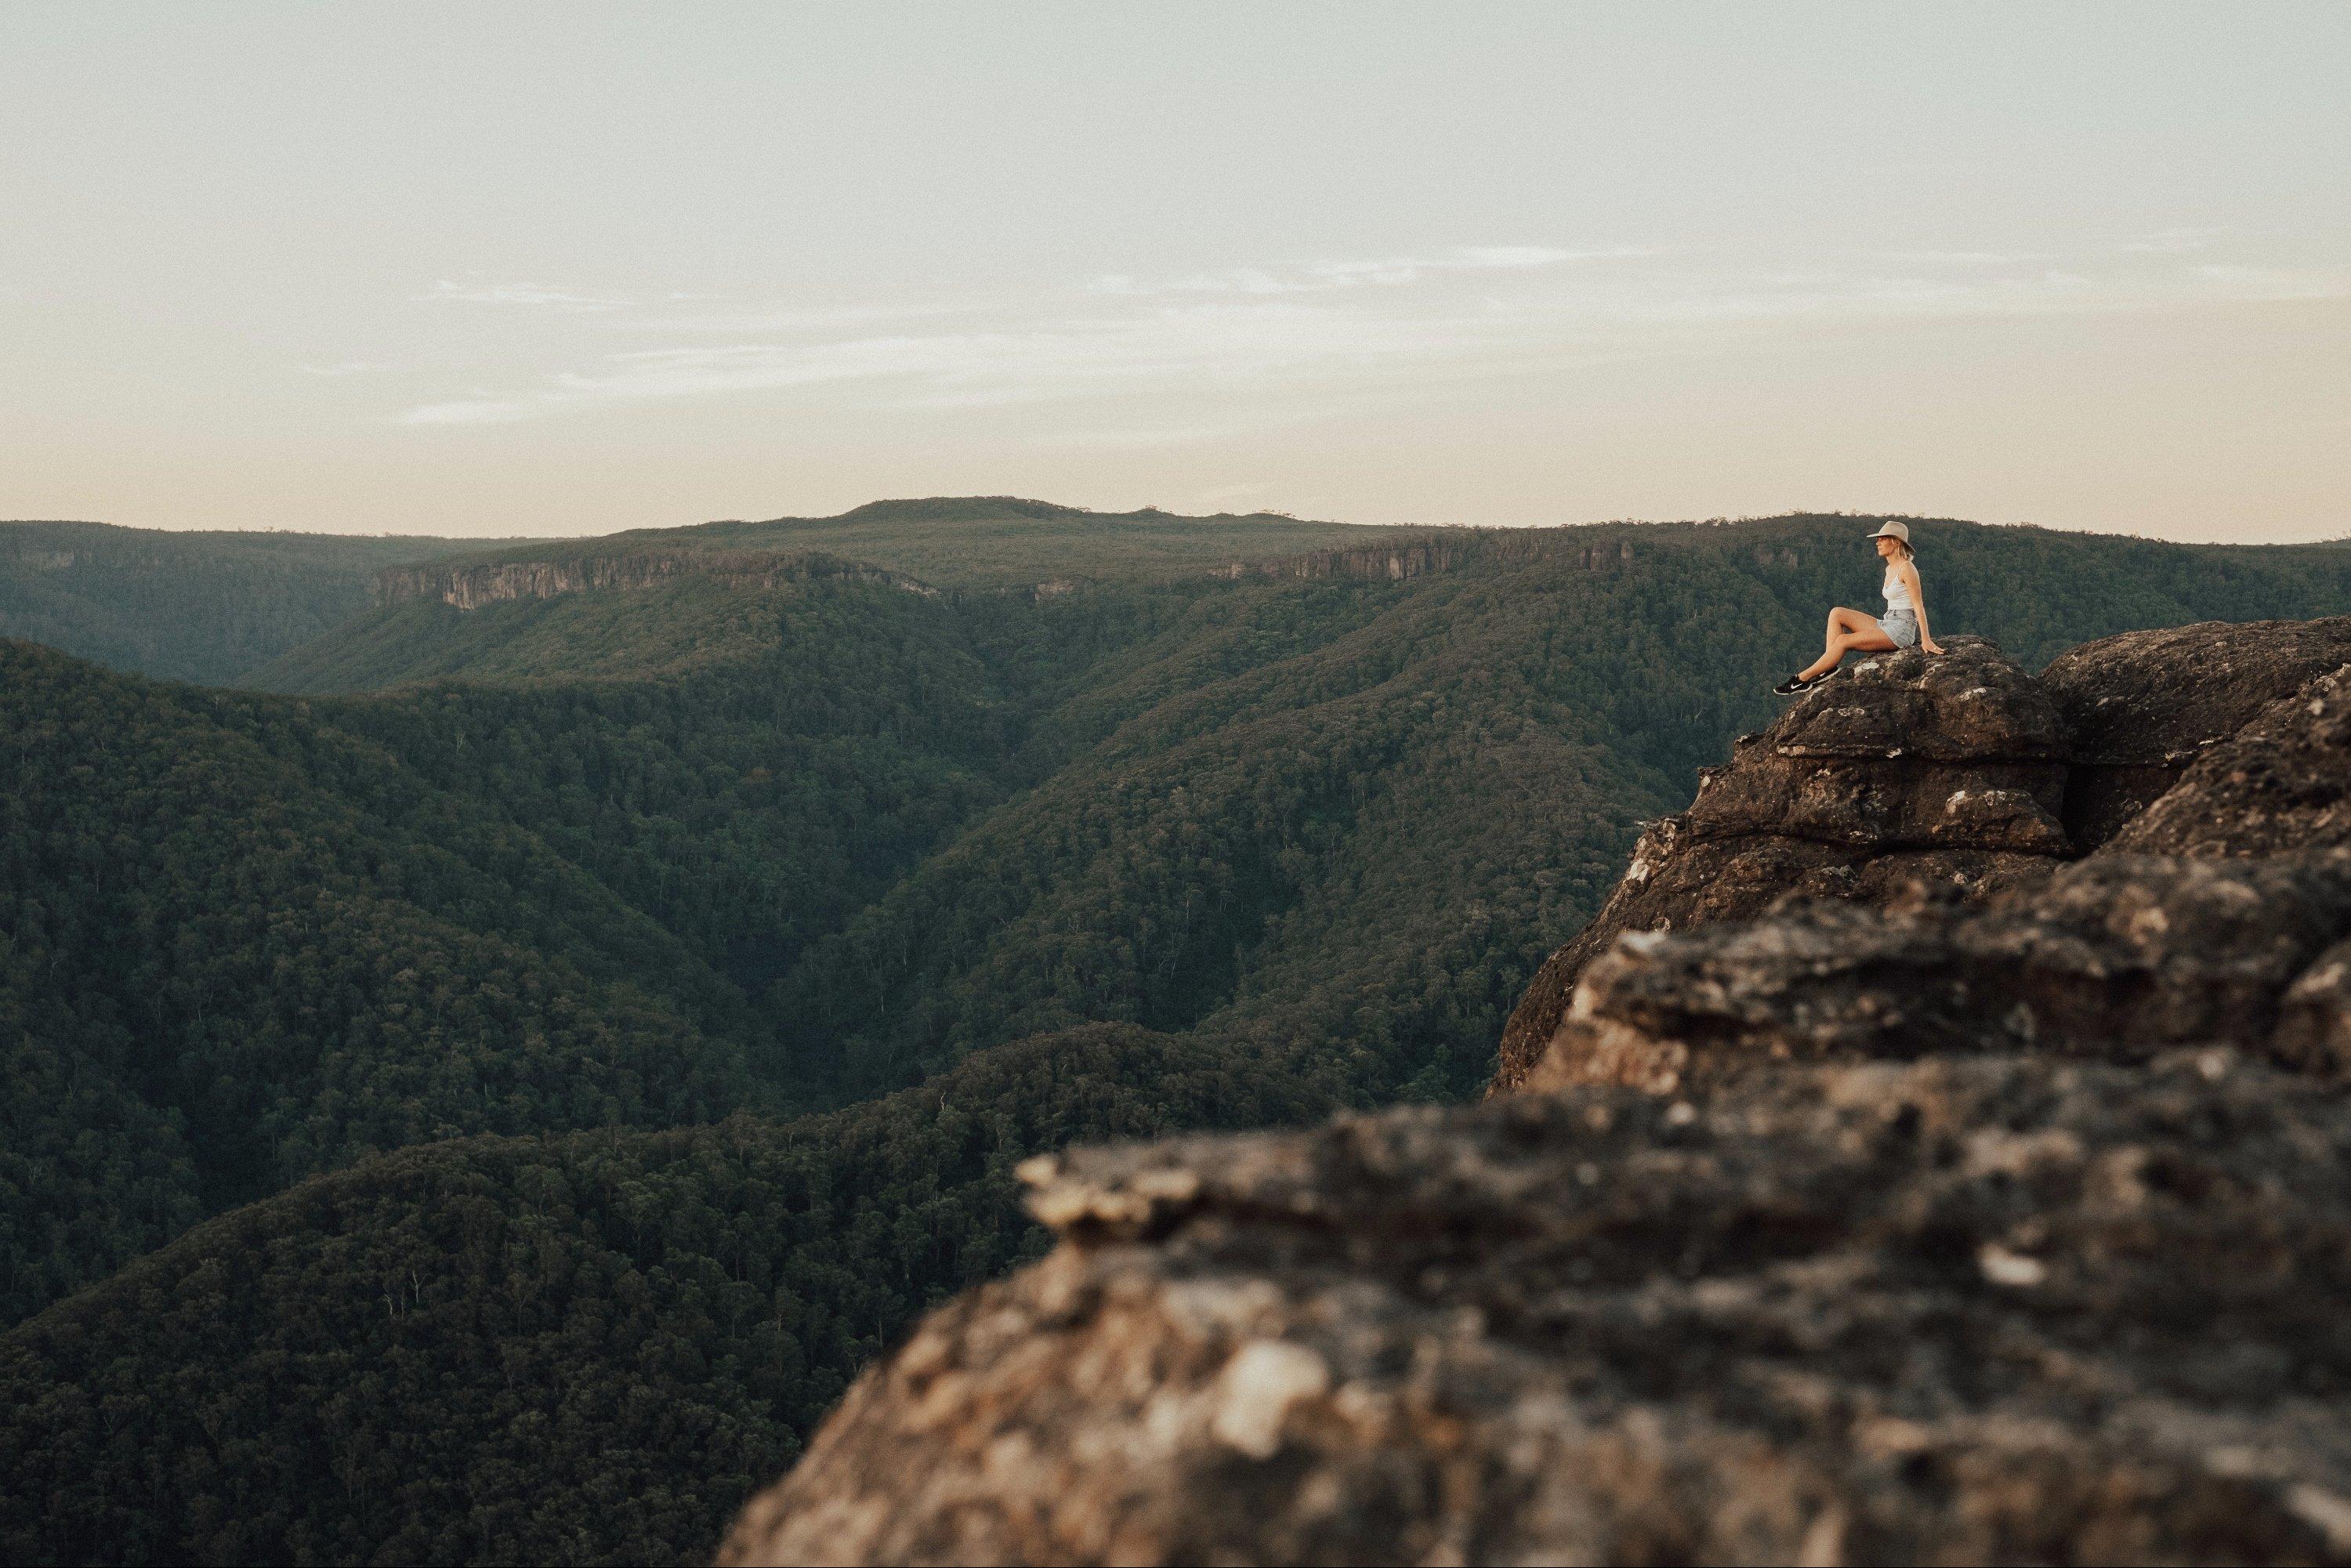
(616, 1013)
(241, 946)
(192, 606)
(580, 1349)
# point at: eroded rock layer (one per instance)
(1847, 1314)
(2117, 958)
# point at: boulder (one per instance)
(1993, 1309)
(2279, 783)
(2313, 1028)
(2138, 709)
(1905, 773)
(2116, 959)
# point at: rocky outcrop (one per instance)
(2138, 709)
(1895, 1182)
(1906, 772)
(1844, 1314)
(2115, 959)
(2207, 740)
(2281, 783)
(471, 587)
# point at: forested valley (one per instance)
(480, 1081)
(195, 606)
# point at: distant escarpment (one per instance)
(1939, 1149)
(1398, 562)
(470, 587)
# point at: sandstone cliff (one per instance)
(1907, 1184)
(471, 587)
(1398, 562)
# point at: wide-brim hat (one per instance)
(1893, 531)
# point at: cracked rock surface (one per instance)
(2138, 709)
(2117, 958)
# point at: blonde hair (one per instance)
(1904, 545)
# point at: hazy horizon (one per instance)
(2343, 538)
(538, 270)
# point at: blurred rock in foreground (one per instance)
(1958, 1312)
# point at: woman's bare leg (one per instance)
(1850, 631)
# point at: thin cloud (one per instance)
(1966, 258)
(749, 321)
(1513, 257)
(1318, 277)
(2172, 242)
(1861, 296)
(1212, 344)
(1343, 343)
(2276, 284)
(471, 410)
(527, 294)
(1133, 438)
(347, 368)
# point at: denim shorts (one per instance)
(1902, 625)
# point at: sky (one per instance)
(525, 269)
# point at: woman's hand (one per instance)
(1930, 644)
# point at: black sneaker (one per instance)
(1792, 685)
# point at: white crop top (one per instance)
(1897, 595)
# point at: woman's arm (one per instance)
(1918, 597)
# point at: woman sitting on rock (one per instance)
(1904, 624)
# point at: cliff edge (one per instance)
(1962, 780)
(1938, 1150)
